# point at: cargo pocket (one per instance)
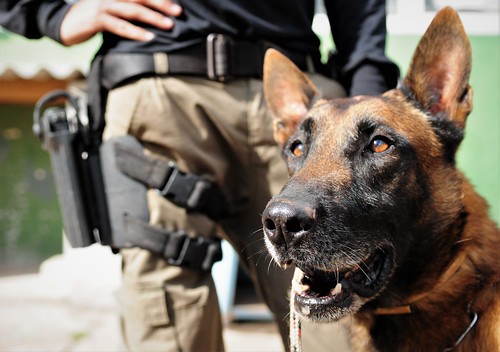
(194, 312)
(181, 298)
(145, 306)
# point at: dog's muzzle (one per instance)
(330, 283)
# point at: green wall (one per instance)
(30, 222)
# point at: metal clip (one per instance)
(218, 57)
(178, 186)
(186, 243)
(197, 252)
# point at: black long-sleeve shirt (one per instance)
(358, 29)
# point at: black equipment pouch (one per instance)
(74, 155)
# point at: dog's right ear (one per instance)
(289, 94)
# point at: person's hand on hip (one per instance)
(86, 18)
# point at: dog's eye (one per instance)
(379, 144)
(297, 149)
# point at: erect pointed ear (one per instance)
(289, 93)
(439, 72)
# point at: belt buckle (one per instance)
(218, 57)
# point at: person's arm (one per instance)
(33, 19)
(76, 23)
(359, 32)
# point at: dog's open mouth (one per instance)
(329, 295)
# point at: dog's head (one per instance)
(373, 185)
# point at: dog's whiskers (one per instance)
(260, 251)
(463, 240)
(337, 274)
(262, 254)
(356, 263)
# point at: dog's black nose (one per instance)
(287, 222)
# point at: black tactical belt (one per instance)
(220, 58)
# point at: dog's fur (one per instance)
(375, 203)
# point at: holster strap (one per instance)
(184, 189)
(197, 253)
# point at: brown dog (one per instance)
(380, 224)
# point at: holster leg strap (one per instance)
(197, 253)
(184, 189)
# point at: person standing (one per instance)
(184, 78)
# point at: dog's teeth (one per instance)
(299, 288)
(298, 275)
(306, 310)
(336, 290)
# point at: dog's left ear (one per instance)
(289, 93)
(439, 72)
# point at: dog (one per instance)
(384, 231)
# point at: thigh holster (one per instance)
(102, 188)
(128, 174)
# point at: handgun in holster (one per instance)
(102, 188)
(74, 155)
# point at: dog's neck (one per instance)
(406, 308)
(419, 308)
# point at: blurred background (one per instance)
(34, 262)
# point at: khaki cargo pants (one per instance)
(221, 132)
